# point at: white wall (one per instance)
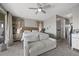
(30, 23)
(75, 13)
(50, 25)
(74, 17)
(51, 22)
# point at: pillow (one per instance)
(30, 37)
(43, 36)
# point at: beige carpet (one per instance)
(15, 50)
(61, 50)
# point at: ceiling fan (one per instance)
(41, 7)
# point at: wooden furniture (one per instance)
(38, 28)
(30, 29)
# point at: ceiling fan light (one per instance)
(39, 10)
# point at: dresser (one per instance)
(75, 41)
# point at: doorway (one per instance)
(60, 27)
(2, 28)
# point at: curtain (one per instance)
(8, 30)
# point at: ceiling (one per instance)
(21, 10)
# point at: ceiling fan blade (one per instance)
(33, 8)
(43, 11)
(46, 6)
(36, 12)
(39, 4)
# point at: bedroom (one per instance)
(21, 18)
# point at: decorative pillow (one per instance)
(43, 36)
(30, 37)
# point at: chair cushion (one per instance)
(43, 36)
